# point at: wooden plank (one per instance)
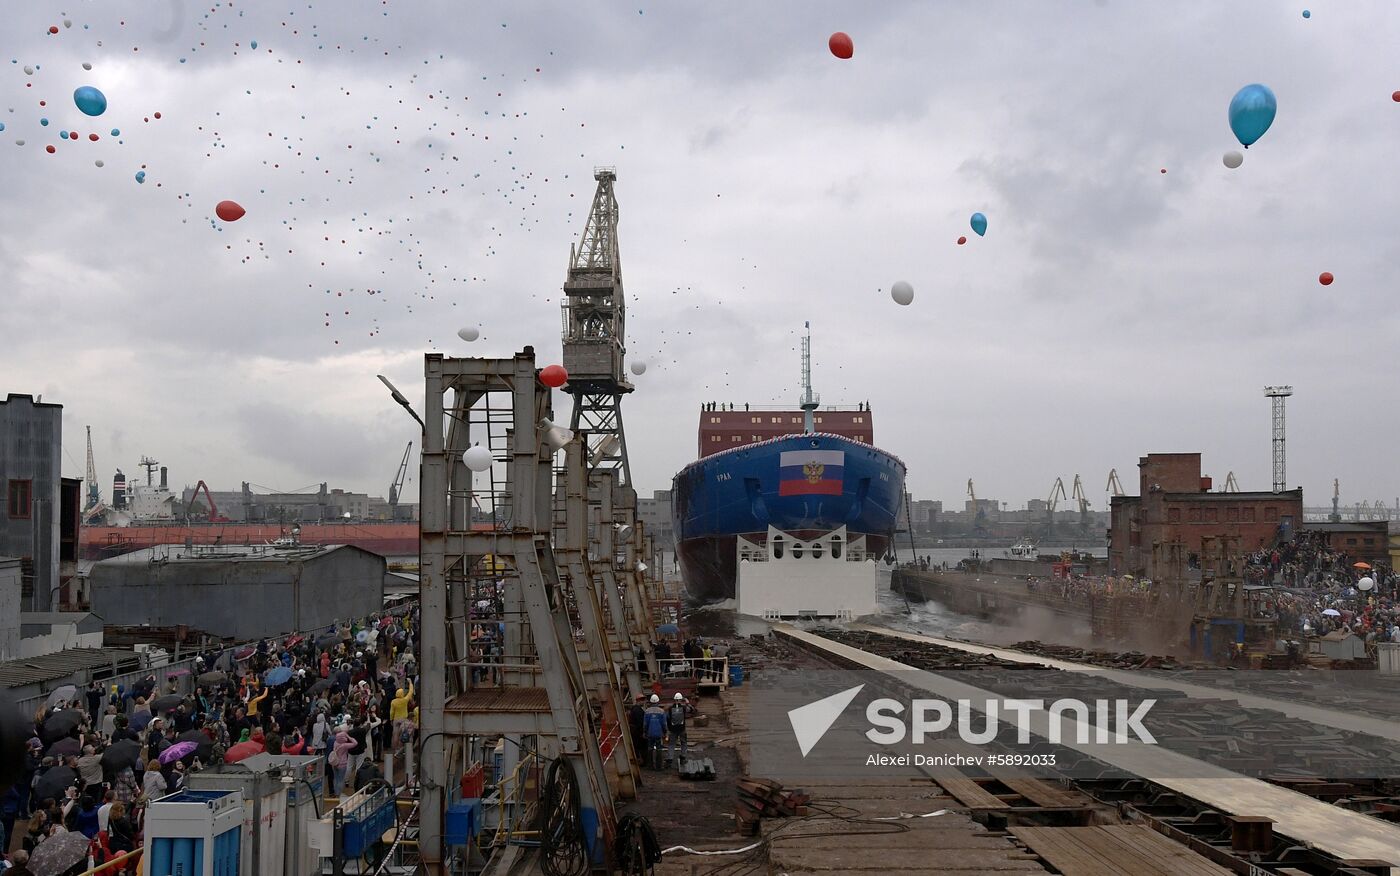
(1114, 850)
(1043, 793)
(969, 793)
(1151, 846)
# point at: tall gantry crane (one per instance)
(1083, 500)
(1114, 487)
(978, 515)
(94, 490)
(397, 486)
(594, 334)
(1057, 492)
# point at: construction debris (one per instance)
(765, 798)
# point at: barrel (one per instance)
(736, 675)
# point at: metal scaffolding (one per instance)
(1279, 394)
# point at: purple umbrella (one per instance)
(177, 751)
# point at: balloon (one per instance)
(229, 211)
(961, 240)
(1307, 14)
(639, 368)
(87, 65)
(979, 224)
(477, 458)
(468, 334)
(116, 133)
(1233, 159)
(2, 126)
(554, 376)
(28, 70)
(902, 293)
(98, 162)
(1252, 111)
(841, 45)
(1325, 278)
(254, 44)
(140, 176)
(1395, 96)
(91, 101)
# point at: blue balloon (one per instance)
(2, 126)
(1307, 14)
(254, 44)
(979, 224)
(140, 176)
(44, 122)
(1252, 111)
(91, 101)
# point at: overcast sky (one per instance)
(412, 168)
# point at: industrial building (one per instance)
(241, 592)
(9, 607)
(1366, 540)
(1175, 505)
(655, 514)
(40, 520)
(326, 505)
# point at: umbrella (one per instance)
(1361, 565)
(167, 703)
(59, 853)
(60, 724)
(242, 750)
(212, 677)
(63, 747)
(68, 693)
(202, 746)
(326, 641)
(293, 641)
(244, 653)
(177, 751)
(1332, 612)
(668, 628)
(278, 675)
(139, 720)
(54, 782)
(319, 685)
(124, 753)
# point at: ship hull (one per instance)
(741, 492)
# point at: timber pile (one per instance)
(765, 798)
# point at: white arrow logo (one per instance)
(810, 722)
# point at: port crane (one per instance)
(397, 486)
(94, 491)
(1231, 485)
(1083, 500)
(1057, 492)
(1114, 487)
(214, 515)
(978, 515)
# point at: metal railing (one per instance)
(711, 671)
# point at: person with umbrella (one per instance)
(19, 864)
(59, 853)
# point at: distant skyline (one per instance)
(409, 169)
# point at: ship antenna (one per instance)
(810, 400)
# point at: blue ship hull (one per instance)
(745, 490)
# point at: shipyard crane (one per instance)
(397, 486)
(214, 515)
(1336, 515)
(1083, 500)
(1057, 492)
(1231, 485)
(1114, 487)
(978, 515)
(94, 491)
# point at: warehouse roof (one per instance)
(232, 553)
(61, 664)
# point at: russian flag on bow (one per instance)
(811, 472)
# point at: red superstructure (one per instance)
(727, 429)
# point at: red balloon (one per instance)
(49, 149)
(1395, 96)
(1325, 278)
(229, 211)
(554, 376)
(53, 28)
(1164, 170)
(962, 240)
(92, 137)
(841, 45)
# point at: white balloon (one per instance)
(87, 65)
(902, 292)
(1233, 159)
(468, 334)
(477, 458)
(67, 22)
(19, 142)
(639, 368)
(28, 70)
(1365, 583)
(98, 162)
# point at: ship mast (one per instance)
(810, 401)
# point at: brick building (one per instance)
(726, 429)
(1366, 540)
(1175, 504)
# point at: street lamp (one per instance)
(402, 400)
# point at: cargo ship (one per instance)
(808, 474)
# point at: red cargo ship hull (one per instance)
(386, 539)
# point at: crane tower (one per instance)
(594, 337)
(1279, 394)
(94, 490)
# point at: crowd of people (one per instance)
(1319, 590)
(98, 756)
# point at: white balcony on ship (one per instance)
(829, 576)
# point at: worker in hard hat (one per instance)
(654, 720)
(675, 729)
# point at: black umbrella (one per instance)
(60, 724)
(209, 679)
(204, 749)
(327, 641)
(119, 755)
(54, 782)
(167, 703)
(63, 747)
(318, 686)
